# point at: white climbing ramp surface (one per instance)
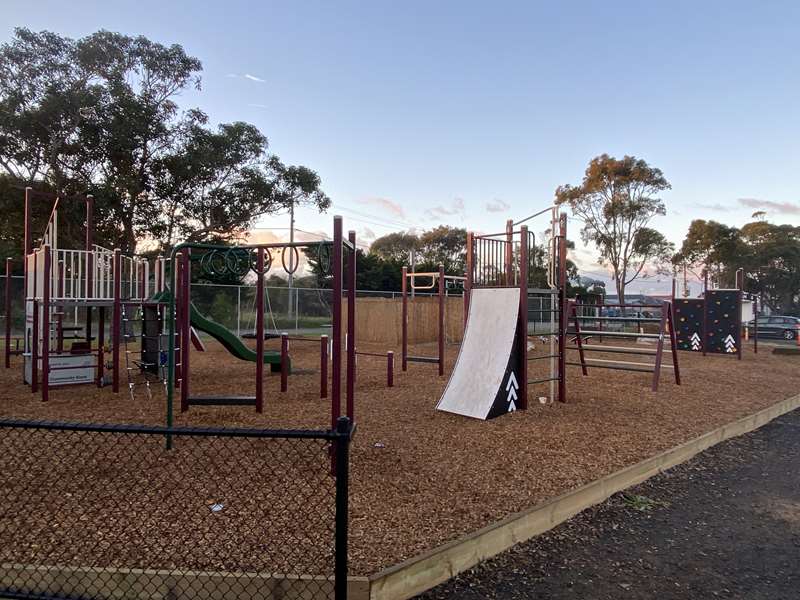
(484, 370)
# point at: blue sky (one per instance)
(421, 113)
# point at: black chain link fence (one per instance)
(90, 511)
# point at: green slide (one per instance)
(229, 340)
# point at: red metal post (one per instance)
(404, 321)
(323, 366)
(755, 325)
(35, 348)
(27, 242)
(441, 319)
(284, 362)
(739, 294)
(89, 243)
(8, 313)
(351, 326)
(705, 310)
(673, 344)
(522, 326)
(509, 253)
(186, 328)
(115, 324)
(468, 281)
(101, 335)
(660, 346)
(48, 266)
(260, 260)
(390, 369)
(562, 308)
(336, 329)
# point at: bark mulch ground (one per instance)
(723, 525)
(421, 478)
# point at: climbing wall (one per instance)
(723, 321)
(689, 323)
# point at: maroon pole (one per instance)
(48, 266)
(284, 362)
(27, 236)
(8, 313)
(562, 304)
(755, 324)
(117, 315)
(404, 321)
(673, 344)
(323, 366)
(260, 258)
(660, 347)
(739, 294)
(351, 326)
(705, 310)
(186, 330)
(101, 335)
(468, 281)
(523, 318)
(390, 369)
(336, 329)
(35, 348)
(441, 319)
(509, 253)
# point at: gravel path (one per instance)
(724, 525)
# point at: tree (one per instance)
(100, 115)
(772, 264)
(396, 247)
(616, 203)
(712, 246)
(444, 245)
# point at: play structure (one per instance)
(435, 279)
(713, 322)
(490, 376)
(591, 340)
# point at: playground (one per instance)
(416, 482)
(446, 434)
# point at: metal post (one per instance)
(468, 281)
(755, 325)
(101, 334)
(523, 318)
(705, 310)
(27, 242)
(441, 320)
(660, 346)
(404, 321)
(336, 329)
(342, 462)
(351, 326)
(509, 252)
(323, 366)
(60, 314)
(284, 362)
(562, 305)
(390, 369)
(115, 333)
(8, 314)
(673, 344)
(48, 267)
(35, 348)
(739, 294)
(260, 257)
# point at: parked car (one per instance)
(787, 328)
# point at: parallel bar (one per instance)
(606, 332)
(591, 361)
(614, 367)
(221, 401)
(633, 319)
(536, 381)
(616, 349)
(530, 358)
(422, 359)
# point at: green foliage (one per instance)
(616, 202)
(99, 115)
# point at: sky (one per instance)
(416, 114)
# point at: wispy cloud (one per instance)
(246, 76)
(390, 206)
(456, 207)
(256, 105)
(366, 234)
(497, 205)
(716, 207)
(785, 208)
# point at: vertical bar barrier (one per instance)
(323, 366)
(260, 259)
(404, 321)
(441, 319)
(351, 326)
(284, 362)
(117, 316)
